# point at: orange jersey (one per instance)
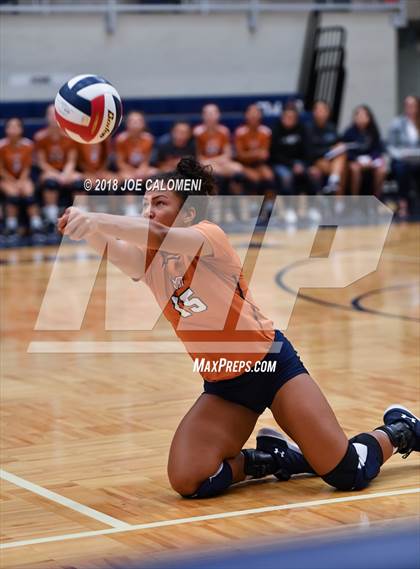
(93, 157)
(207, 301)
(211, 143)
(56, 146)
(247, 139)
(134, 150)
(15, 158)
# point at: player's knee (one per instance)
(359, 466)
(189, 486)
(183, 484)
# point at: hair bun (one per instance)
(189, 166)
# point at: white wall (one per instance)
(168, 55)
(371, 64)
(152, 55)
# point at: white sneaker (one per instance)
(314, 215)
(229, 216)
(290, 216)
(244, 212)
(339, 205)
(215, 210)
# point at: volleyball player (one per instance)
(214, 149)
(56, 157)
(16, 185)
(133, 150)
(206, 455)
(252, 145)
(174, 146)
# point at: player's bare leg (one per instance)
(26, 189)
(206, 455)
(355, 178)
(210, 435)
(303, 412)
(379, 175)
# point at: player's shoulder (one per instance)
(26, 142)
(223, 129)
(121, 137)
(264, 129)
(41, 135)
(221, 249)
(148, 136)
(242, 130)
(199, 130)
(212, 230)
(3, 143)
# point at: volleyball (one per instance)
(88, 108)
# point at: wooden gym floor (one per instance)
(85, 436)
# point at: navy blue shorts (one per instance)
(256, 390)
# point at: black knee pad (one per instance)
(14, 200)
(360, 464)
(222, 183)
(239, 178)
(251, 187)
(216, 484)
(27, 201)
(78, 186)
(51, 184)
(265, 185)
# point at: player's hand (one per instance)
(62, 222)
(78, 224)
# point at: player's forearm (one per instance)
(97, 241)
(24, 175)
(135, 230)
(69, 168)
(124, 256)
(47, 168)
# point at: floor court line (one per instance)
(222, 515)
(63, 501)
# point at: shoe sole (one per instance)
(272, 433)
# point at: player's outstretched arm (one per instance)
(138, 231)
(126, 256)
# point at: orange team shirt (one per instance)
(134, 150)
(93, 157)
(210, 143)
(208, 303)
(14, 158)
(249, 139)
(56, 147)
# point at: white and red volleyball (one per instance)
(88, 108)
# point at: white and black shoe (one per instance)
(403, 429)
(288, 456)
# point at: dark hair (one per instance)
(177, 123)
(188, 168)
(290, 106)
(253, 105)
(372, 127)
